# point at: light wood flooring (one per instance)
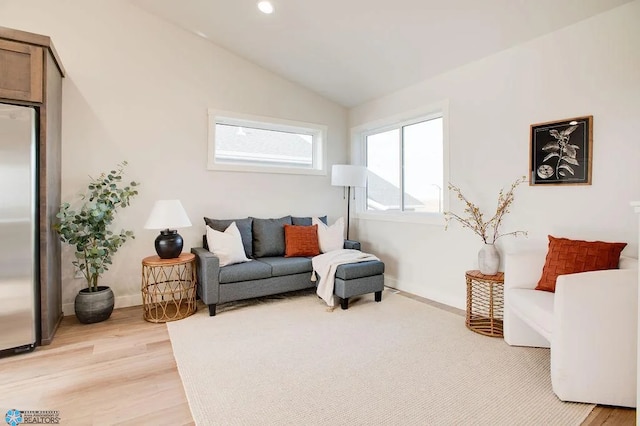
(117, 372)
(122, 372)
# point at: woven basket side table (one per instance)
(168, 288)
(485, 303)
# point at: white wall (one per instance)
(138, 89)
(590, 68)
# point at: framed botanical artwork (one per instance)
(561, 152)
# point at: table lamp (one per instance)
(168, 214)
(347, 175)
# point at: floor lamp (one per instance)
(346, 175)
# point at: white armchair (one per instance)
(590, 324)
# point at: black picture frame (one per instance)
(561, 152)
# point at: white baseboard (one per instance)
(389, 281)
(120, 302)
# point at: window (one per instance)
(406, 159)
(260, 144)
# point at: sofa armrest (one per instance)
(523, 269)
(594, 336)
(351, 244)
(207, 271)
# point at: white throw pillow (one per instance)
(227, 245)
(330, 237)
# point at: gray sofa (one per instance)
(270, 272)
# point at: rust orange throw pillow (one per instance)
(301, 241)
(567, 256)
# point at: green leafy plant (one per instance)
(488, 230)
(87, 228)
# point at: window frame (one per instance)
(318, 132)
(359, 142)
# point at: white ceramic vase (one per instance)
(488, 259)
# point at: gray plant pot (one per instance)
(94, 306)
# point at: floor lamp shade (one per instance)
(347, 175)
(167, 214)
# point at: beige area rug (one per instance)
(291, 361)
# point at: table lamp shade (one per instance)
(167, 214)
(348, 175)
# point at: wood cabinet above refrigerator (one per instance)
(20, 71)
(31, 74)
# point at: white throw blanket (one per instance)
(325, 266)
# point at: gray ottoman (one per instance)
(355, 279)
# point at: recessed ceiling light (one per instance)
(265, 7)
(573, 123)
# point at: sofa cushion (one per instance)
(244, 226)
(227, 245)
(247, 271)
(567, 256)
(350, 271)
(281, 266)
(330, 237)
(305, 221)
(300, 241)
(268, 236)
(534, 307)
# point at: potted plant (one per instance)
(87, 229)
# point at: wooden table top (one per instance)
(156, 261)
(476, 274)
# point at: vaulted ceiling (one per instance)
(352, 51)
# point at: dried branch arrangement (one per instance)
(488, 230)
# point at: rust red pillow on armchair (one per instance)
(567, 256)
(301, 241)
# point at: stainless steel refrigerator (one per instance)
(18, 225)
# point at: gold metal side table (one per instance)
(168, 287)
(485, 303)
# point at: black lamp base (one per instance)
(168, 244)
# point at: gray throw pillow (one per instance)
(306, 221)
(244, 226)
(268, 236)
